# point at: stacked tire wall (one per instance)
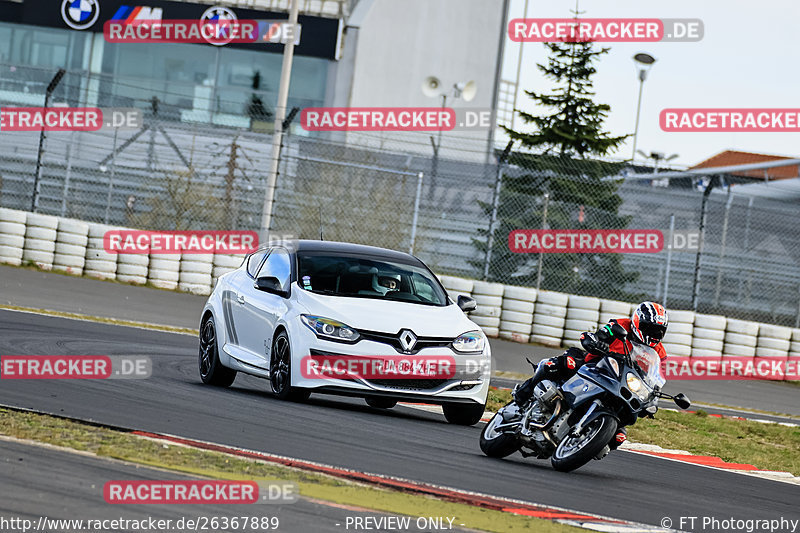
(12, 236)
(549, 318)
(99, 263)
(515, 313)
(71, 240)
(489, 297)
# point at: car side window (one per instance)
(254, 261)
(278, 264)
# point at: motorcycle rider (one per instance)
(647, 325)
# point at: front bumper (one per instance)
(469, 382)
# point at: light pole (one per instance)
(464, 90)
(38, 174)
(643, 63)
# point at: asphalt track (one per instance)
(343, 432)
(33, 288)
(60, 485)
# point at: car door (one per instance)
(261, 310)
(233, 300)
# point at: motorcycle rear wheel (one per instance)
(574, 452)
(496, 444)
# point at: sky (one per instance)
(748, 58)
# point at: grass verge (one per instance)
(123, 446)
(766, 446)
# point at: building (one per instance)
(365, 53)
(734, 157)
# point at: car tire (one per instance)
(211, 370)
(280, 371)
(463, 415)
(380, 403)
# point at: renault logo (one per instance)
(407, 340)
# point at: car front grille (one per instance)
(409, 384)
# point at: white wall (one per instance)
(391, 46)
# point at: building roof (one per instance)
(733, 157)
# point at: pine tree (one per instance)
(566, 142)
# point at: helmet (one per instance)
(649, 323)
(385, 282)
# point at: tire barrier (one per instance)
(12, 236)
(613, 309)
(489, 297)
(456, 286)
(195, 273)
(708, 336)
(164, 271)
(678, 340)
(740, 338)
(40, 240)
(99, 263)
(71, 240)
(583, 314)
(549, 318)
(516, 313)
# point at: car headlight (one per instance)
(469, 342)
(326, 328)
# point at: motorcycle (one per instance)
(573, 423)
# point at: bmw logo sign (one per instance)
(80, 14)
(221, 18)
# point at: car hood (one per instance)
(387, 316)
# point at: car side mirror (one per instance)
(466, 303)
(618, 331)
(682, 401)
(270, 284)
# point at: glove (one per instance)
(604, 335)
(592, 344)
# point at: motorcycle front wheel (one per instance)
(574, 452)
(495, 443)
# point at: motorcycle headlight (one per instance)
(326, 328)
(469, 342)
(634, 383)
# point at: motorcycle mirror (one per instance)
(682, 401)
(618, 331)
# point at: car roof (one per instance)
(350, 248)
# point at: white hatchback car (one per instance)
(337, 318)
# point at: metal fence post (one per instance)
(668, 265)
(416, 213)
(703, 216)
(111, 177)
(498, 187)
(541, 254)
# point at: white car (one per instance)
(337, 318)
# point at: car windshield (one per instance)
(648, 360)
(361, 276)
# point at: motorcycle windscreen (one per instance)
(648, 360)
